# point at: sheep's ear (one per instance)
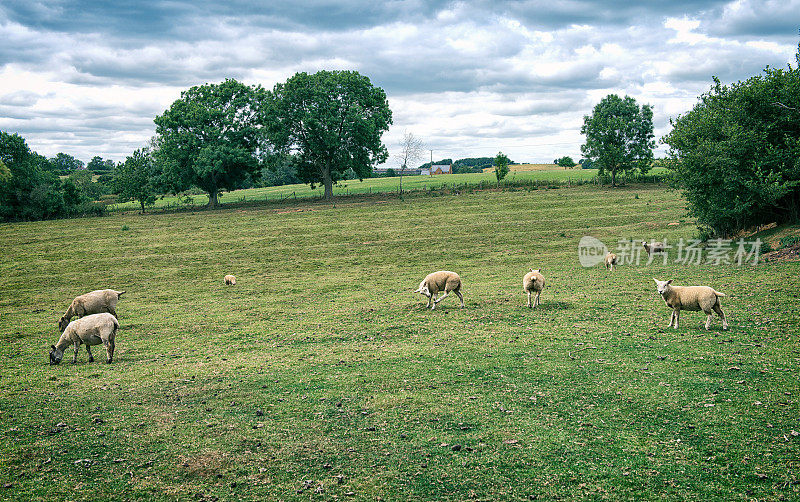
(655, 280)
(52, 347)
(669, 281)
(531, 270)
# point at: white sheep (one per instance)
(654, 247)
(611, 260)
(691, 298)
(95, 302)
(230, 280)
(435, 282)
(533, 282)
(92, 329)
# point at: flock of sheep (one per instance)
(97, 317)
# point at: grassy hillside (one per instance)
(321, 375)
(378, 185)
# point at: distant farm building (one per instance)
(441, 169)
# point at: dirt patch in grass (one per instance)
(791, 253)
(206, 465)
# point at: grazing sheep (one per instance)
(654, 247)
(230, 280)
(533, 282)
(440, 281)
(611, 260)
(95, 302)
(692, 298)
(92, 329)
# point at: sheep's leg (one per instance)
(671, 318)
(75, 356)
(677, 315)
(529, 300)
(718, 310)
(442, 297)
(89, 351)
(460, 297)
(429, 302)
(537, 298)
(109, 350)
(708, 321)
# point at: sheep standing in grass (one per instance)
(230, 280)
(692, 298)
(442, 280)
(95, 302)
(611, 260)
(92, 329)
(654, 247)
(533, 282)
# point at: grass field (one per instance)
(321, 376)
(377, 185)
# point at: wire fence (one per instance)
(440, 188)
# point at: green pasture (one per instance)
(321, 376)
(375, 186)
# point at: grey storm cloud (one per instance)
(507, 60)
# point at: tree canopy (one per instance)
(501, 166)
(27, 190)
(736, 154)
(135, 179)
(619, 136)
(210, 137)
(333, 121)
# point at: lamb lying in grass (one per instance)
(95, 302)
(611, 260)
(692, 298)
(533, 282)
(230, 280)
(442, 280)
(92, 329)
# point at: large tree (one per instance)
(619, 136)
(333, 120)
(65, 163)
(210, 137)
(411, 150)
(27, 190)
(135, 179)
(736, 154)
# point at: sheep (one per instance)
(435, 282)
(654, 247)
(92, 329)
(691, 298)
(95, 302)
(230, 280)
(533, 282)
(611, 260)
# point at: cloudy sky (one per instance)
(469, 78)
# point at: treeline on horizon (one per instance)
(735, 155)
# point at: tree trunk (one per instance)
(213, 202)
(613, 177)
(401, 182)
(142, 203)
(327, 181)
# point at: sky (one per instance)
(468, 78)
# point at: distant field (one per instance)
(532, 167)
(321, 376)
(377, 185)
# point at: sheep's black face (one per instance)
(62, 324)
(55, 355)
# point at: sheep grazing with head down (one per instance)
(611, 260)
(442, 280)
(230, 280)
(95, 302)
(533, 282)
(691, 298)
(92, 329)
